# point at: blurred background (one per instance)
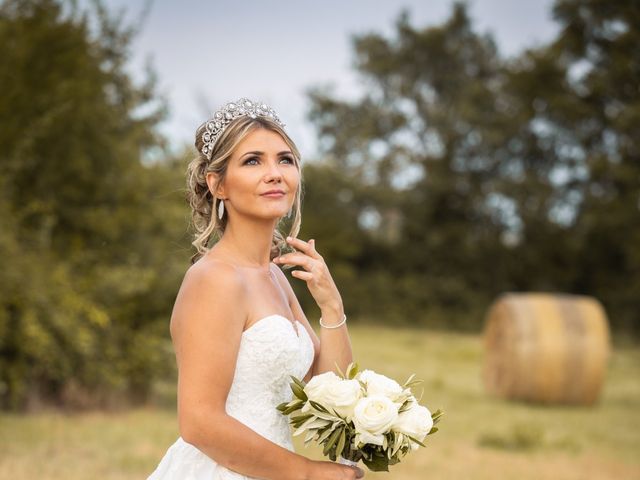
(452, 152)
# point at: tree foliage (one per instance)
(499, 174)
(85, 289)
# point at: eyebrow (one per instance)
(256, 152)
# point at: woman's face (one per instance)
(261, 163)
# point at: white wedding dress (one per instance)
(270, 351)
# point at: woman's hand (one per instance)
(315, 273)
(321, 470)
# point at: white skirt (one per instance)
(184, 461)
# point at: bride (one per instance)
(237, 327)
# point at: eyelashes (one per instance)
(246, 162)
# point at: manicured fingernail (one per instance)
(289, 239)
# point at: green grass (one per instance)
(480, 437)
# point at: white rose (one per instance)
(373, 416)
(380, 385)
(342, 396)
(416, 422)
(333, 392)
(316, 388)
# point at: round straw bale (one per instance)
(546, 348)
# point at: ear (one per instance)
(212, 178)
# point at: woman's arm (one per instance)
(206, 328)
(334, 344)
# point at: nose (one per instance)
(273, 172)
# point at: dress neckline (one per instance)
(276, 315)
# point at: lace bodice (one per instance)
(268, 355)
(270, 351)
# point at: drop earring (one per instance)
(220, 209)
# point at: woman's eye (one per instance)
(256, 159)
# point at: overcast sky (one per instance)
(207, 53)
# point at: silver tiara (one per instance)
(232, 110)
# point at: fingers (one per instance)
(307, 247)
(306, 276)
(295, 258)
(305, 256)
(358, 471)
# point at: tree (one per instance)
(423, 138)
(507, 174)
(86, 224)
(578, 99)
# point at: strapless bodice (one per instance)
(270, 352)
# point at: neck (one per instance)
(248, 243)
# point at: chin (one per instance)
(272, 215)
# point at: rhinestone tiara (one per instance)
(224, 116)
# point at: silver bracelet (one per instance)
(344, 319)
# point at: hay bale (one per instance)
(546, 348)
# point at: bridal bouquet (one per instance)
(360, 416)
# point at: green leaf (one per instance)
(331, 441)
(300, 383)
(311, 423)
(341, 441)
(396, 447)
(435, 416)
(298, 391)
(300, 419)
(325, 434)
(393, 461)
(329, 416)
(340, 373)
(317, 406)
(318, 423)
(416, 440)
(310, 435)
(413, 384)
(377, 463)
(406, 384)
(337, 414)
(293, 406)
(352, 370)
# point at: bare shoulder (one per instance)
(208, 286)
(210, 272)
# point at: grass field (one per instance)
(479, 438)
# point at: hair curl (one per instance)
(205, 223)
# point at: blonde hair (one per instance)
(205, 222)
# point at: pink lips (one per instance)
(273, 193)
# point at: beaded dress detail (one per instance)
(270, 351)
